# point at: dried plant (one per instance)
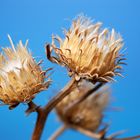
(21, 78)
(89, 52)
(87, 114)
(92, 57)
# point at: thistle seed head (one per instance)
(87, 114)
(90, 52)
(21, 78)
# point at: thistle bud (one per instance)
(21, 78)
(89, 52)
(87, 114)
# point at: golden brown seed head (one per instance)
(90, 52)
(21, 78)
(87, 114)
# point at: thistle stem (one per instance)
(42, 112)
(58, 132)
(86, 132)
(82, 98)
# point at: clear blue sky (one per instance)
(37, 21)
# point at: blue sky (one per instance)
(37, 21)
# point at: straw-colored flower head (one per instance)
(89, 52)
(87, 114)
(21, 78)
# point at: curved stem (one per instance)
(58, 132)
(82, 98)
(43, 112)
(129, 138)
(86, 132)
(62, 94)
(91, 91)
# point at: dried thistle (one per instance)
(87, 114)
(88, 51)
(21, 78)
(86, 117)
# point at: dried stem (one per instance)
(82, 98)
(42, 112)
(86, 132)
(32, 107)
(88, 93)
(95, 135)
(101, 134)
(129, 138)
(116, 134)
(58, 132)
(40, 123)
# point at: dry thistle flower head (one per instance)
(88, 51)
(87, 114)
(21, 78)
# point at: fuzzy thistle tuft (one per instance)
(21, 78)
(89, 52)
